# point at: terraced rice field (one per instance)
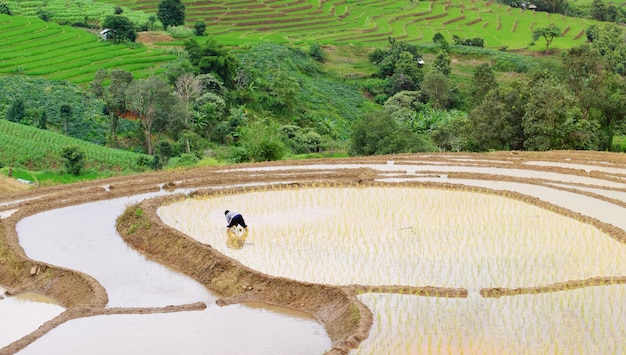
(372, 21)
(440, 253)
(31, 46)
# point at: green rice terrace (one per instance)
(343, 21)
(31, 46)
(371, 21)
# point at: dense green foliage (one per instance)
(37, 96)
(120, 27)
(171, 13)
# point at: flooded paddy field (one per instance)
(438, 253)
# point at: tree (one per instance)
(17, 110)
(497, 120)
(387, 60)
(187, 88)
(407, 75)
(156, 105)
(114, 95)
(43, 120)
(442, 63)
(74, 159)
(438, 38)
(171, 13)
(122, 29)
(609, 42)
(4, 9)
(316, 52)
(483, 81)
(550, 115)
(548, 33)
(65, 112)
(199, 28)
(261, 142)
(439, 89)
(213, 57)
(583, 72)
(613, 109)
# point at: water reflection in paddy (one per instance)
(236, 329)
(21, 315)
(84, 238)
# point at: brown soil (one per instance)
(346, 319)
(150, 37)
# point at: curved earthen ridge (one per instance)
(79, 292)
(346, 320)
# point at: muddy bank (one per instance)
(346, 320)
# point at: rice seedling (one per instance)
(416, 237)
(404, 236)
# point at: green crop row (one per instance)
(372, 21)
(48, 49)
(30, 147)
(74, 11)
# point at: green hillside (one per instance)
(38, 149)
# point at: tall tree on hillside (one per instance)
(156, 105)
(171, 13)
(114, 95)
(551, 118)
(483, 81)
(608, 40)
(187, 88)
(65, 112)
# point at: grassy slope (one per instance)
(40, 150)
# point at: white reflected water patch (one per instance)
(20, 315)
(235, 329)
(84, 238)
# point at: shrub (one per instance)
(45, 15)
(472, 42)
(316, 52)
(180, 31)
(183, 160)
(4, 9)
(199, 28)
(73, 158)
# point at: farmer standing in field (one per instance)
(234, 218)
